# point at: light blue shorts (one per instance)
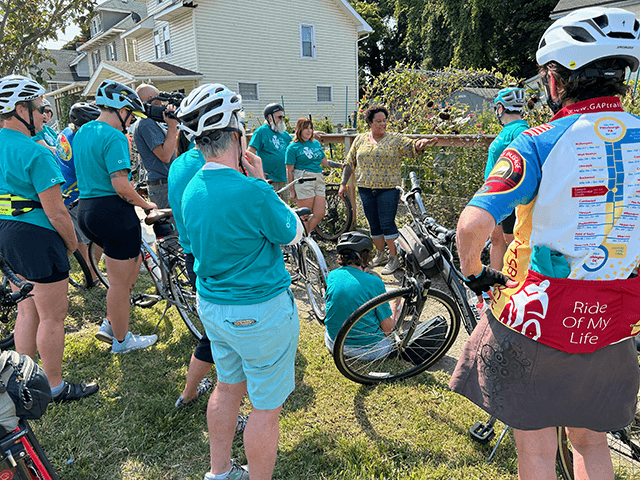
(256, 343)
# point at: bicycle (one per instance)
(9, 303)
(306, 263)
(338, 214)
(22, 456)
(167, 277)
(427, 320)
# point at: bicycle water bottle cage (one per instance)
(420, 254)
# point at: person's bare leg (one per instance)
(26, 328)
(591, 457)
(318, 210)
(197, 370)
(122, 277)
(52, 303)
(222, 415)
(379, 244)
(261, 442)
(308, 203)
(391, 244)
(498, 248)
(537, 453)
(83, 248)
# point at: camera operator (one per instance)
(155, 143)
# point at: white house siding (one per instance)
(154, 7)
(259, 41)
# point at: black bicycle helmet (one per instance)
(272, 108)
(354, 241)
(82, 113)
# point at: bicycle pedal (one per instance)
(481, 433)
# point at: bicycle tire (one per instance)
(144, 287)
(185, 297)
(338, 215)
(624, 447)
(315, 276)
(81, 279)
(8, 315)
(439, 324)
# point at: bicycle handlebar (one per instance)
(415, 186)
(297, 180)
(24, 286)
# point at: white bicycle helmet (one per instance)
(591, 34)
(16, 88)
(208, 107)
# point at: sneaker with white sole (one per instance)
(379, 259)
(241, 423)
(392, 265)
(132, 342)
(237, 472)
(105, 332)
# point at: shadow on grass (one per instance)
(303, 394)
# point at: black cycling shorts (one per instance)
(111, 223)
(37, 253)
(508, 223)
(203, 349)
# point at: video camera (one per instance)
(155, 112)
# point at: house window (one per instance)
(111, 51)
(249, 91)
(307, 41)
(324, 93)
(96, 25)
(162, 41)
(95, 56)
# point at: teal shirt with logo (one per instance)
(47, 134)
(508, 134)
(98, 151)
(305, 156)
(271, 148)
(235, 226)
(348, 288)
(27, 169)
(181, 172)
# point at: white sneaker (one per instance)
(392, 265)
(379, 259)
(132, 342)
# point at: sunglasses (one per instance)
(44, 109)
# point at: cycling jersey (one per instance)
(26, 169)
(348, 288)
(47, 134)
(64, 156)
(271, 148)
(507, 135)
(305, 156)
(182, 171)
(99, 150)
(235, 226)
(576, 182)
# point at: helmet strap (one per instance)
(499, 115)
(549, 82)
(123, 122)
(30, 126)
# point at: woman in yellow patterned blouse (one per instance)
(375, 157)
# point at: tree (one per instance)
(26, 24)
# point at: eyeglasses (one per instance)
(279, 117)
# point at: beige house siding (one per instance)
(154, 7)
(263, 45)
(182, 42)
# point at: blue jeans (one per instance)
(380, 206)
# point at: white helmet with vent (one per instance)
(16, 88)
(591, 34)
(208, 107)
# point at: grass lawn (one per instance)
(330, 428)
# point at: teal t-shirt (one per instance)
(348, 288)
(305, 156)
(98, 151)
(508, 134)
(181, 172)
(271, 147)
(27, 169)
(235, 226)
(47, 134)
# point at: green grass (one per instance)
(330, 428)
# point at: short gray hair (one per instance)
(222, 142)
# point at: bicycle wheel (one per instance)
(422, 335)
(8, 314)
(315, 276)
(80, 273)
(145, 291)
(624, 447)
(185, 297)
(338, 215)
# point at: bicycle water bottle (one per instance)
(153, 266)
